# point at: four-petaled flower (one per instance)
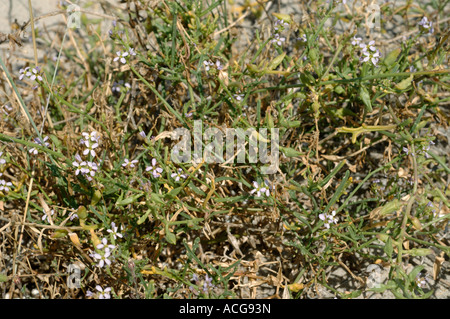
(2, 160)
(46, 217)
(38, 141)
(356, 40)
(261, 189)
(128, 163)
(5, 185)
(103, 258)
(278, 39)
(178, 175)
(90, 148)
(370, 52)
(103, 293)
(93, 136)
(104, 244)
(113, 231)
(155, 171)
(121, 56)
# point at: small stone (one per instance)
(35, 292)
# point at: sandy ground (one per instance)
(12, 10)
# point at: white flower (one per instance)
(302, 38)
(121, 56)
(131, 52)
(370, 53)
(208, 65)
(46, 217)
(113, 231)
(238, 97)
(104, 244)
(93, 136)
(34, 74)
(39, 142)
(103, 258)
(356, 40)
(5, 185)
(277, 39)
(178, 175)
(128, 163)
(155, 171)
(90, 148)
(260, 189)
(23, 72)
(2, 160)
(425, 25)
(103, 294)
(329, 218)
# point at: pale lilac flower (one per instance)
(142, 134)
(5, 185)
(90, 148)
(127, 163)
(73, 216)
(260, 189)
(328, 218)
(46, 217)
(103, 258)
(425, 25)
(238, 97)
(278, 39)
(406, 150)
(103, 294)
(89, 293)
(422, 281)
(208, 65)
(121, 56)
(370, 53)
(302, 38)
(35, 74)
(178, 175)
(2, 160)
(218, 65)
(131, 52)
(93, 136)
(280, 25)
(23, 72)
(104, 244)
(38, 141)
(155, 171)
(113, 231)
(356, 40)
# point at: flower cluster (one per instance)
(122, 55)
(426, 26)
(38, 141)
(101, 294)
(87, 168)
(370, 53)
(279, 26)
(120, 87)
(178, 175)
(329, 218)
(209, 64)
(261, 189)
(421, 150)
(422, 281)
(46, 217)
(34, 74)
(4, 185)
(103, 253)
(206, 285)
(154, 170)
